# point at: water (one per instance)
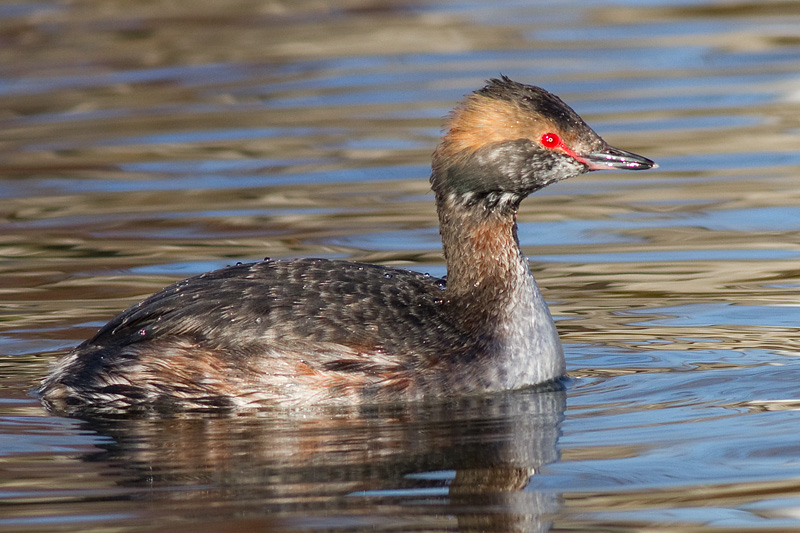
(144, 142)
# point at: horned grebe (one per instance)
(316, 331)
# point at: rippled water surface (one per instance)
(142, 142)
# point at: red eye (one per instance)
(550, 140)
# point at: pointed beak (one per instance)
(610, 157)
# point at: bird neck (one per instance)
(487, 276)
(493, 294)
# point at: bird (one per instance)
(303, 332)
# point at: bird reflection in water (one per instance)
(462, 465)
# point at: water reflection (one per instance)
(466, 463)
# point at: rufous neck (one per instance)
(486, 270)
